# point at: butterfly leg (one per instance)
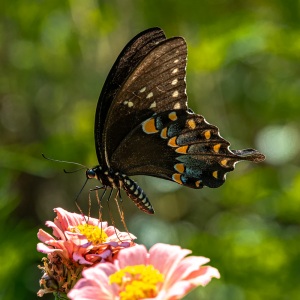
(120, 209)
(99, 200)
(109, 211)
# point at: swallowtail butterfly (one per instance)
(143, 125)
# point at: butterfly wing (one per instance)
(181, 146)
(129, 58)
(149, 130)
(157, 84)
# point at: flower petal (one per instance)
(201, 277)
(57, 232)
(185, 267)
(43, 236)
(65, 219)
(166, 258)
(88, 288)
(136, 255)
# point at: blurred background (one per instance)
(242, 75)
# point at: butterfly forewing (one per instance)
(129, 58)
(157, 84)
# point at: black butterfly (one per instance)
(144, 127)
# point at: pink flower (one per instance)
(162, 273)
(82, 239)
(78, 242)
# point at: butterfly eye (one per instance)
(91, 174)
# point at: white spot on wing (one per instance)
(175, 94)
(176, 61)
(174, 81)
(177, 105)
(175, 71)
(149, 95)
(153, 104)
(128, 103)
(143, 89)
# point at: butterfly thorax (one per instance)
(107, 177)
(118, 180)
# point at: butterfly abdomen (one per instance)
(136, 194)
(118, 180)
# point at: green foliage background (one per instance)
(243, 76)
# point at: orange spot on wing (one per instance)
(198, 184)
(177, 178)
(163, 133)
(172, 142)
(224, 162)
(207, 134)
(149, 126)
(191, 124)
(180, 168)
(215, 174)
(173, 116)
(182, 149)
(217, 148)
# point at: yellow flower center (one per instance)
(137, 282)
(93, 233)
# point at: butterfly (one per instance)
(143, 125)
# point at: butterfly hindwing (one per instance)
(180, 146)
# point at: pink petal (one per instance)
(186, 267)
(65, 219)
(136, 255)
(178, 290)
(96, 222)
(80, 259)
(45, 249)
(77, 238)
(95, 284)
(115, 235)
(89, 290)
(43, 236)
(166, 258)
(57, 232)
(93, 273)
(202, 277)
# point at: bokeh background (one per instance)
(242, 75)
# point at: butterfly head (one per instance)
(105, 176)
(93, 173)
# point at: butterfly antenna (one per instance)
(67, 162)
(74, 171)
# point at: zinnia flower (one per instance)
(78, 242)
(163, 273)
